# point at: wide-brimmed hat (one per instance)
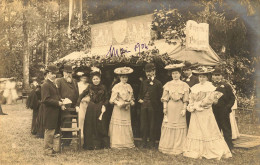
(149, 67)
(52, 68)
(3, 79)
(68, 68)
(95, 72)
(174, 66)
(218, 70)
(203, 70)
(82, 74)
(123, 70)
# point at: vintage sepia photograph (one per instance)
(129, 82)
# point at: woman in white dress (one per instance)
(83, 84)
(175, 97)
(204, 138)
(120, 129)
(10, 92)
(233, 122)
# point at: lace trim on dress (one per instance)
(174, 90)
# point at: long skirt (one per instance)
(234, 128)
(204, 138)
(174, 130)
(34, 118)
(95, 132)
(120, 129)
(40, 122)
(82, 113)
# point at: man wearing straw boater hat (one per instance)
(222, 109)
(149, 97)
(51, 104)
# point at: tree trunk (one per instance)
(26, 85)
(59, 34)
(46, 41)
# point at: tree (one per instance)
(26, 56)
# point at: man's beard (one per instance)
(68, 79)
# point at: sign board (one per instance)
(119, 34)
(197, 36)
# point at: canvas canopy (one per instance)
(179, 52)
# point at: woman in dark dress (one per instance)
(40, 118)
(33, 102)
(95, 130)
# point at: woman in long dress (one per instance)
(233, 122)
(82, 84)
(33, 102)
(10, 92)
(204, 138)
(95, 133)
(120, 129)
(175, 97)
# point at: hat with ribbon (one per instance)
(174, 66)
(203, 70)
(123, 70)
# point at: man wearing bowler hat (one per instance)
(51, 103)
(149, 97)
(222, 109)
(68, 88)
(191, 80)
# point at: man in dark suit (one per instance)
(51, 103)
(191, 80)
(150, 99)
(222, 109)
(67, 88)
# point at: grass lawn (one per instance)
(18, 146)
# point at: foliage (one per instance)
(48, 23)
(135, 60)
(227, 36)
(80, 38)
(170, 25)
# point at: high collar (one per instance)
(151, 78)
(50, 80)
(176, 81)
(122, 83)
(217, 82)
(189, 76)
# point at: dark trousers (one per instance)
(223, 121)
(188, 118)
(148, 123)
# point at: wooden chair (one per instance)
(72, 130)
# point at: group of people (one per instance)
(8, 92)
(196, 111)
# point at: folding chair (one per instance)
(76, 129)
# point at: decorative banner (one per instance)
(123, 32)
(197, 36)
(119, 29)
